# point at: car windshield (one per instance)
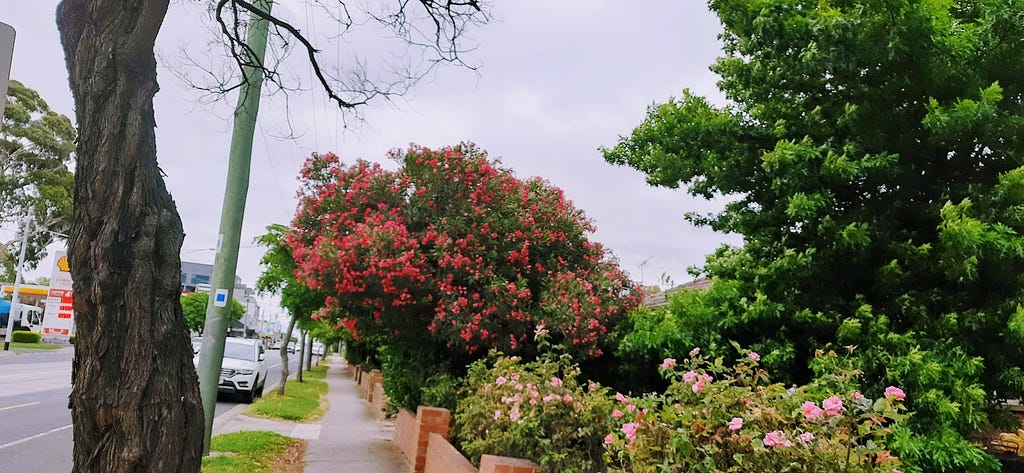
(239, 351)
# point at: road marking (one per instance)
(28, 439)
(19, 405)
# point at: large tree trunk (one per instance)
(135, 403)
(284, 355)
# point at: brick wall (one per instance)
(496, 464)
(442, 457)
(405, 434)
(379, 400)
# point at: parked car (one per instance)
(318, 349)
(243, 370)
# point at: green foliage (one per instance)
(872, 152)
(19, 336)
(441, 390)
(35, 177)
(194, 305)
(713, 418)
(279, 278)
(538, 410)
(249, 452)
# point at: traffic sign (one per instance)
(6, 57)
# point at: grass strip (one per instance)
(245, 452)
(34, 346)
(302, 402)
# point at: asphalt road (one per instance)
(35, 422)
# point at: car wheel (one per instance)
(259, 390)
(249, 396)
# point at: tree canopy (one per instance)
(454, 248)
(36, 146)
(871, 152)
(193, 307)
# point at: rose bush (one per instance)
(716, 418)
(539, 410)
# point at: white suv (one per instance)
(243, 370)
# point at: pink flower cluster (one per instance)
(832, 406)
(697, 380)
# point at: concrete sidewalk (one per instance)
(351, 438)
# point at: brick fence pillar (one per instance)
(495, 464)
(429, 420)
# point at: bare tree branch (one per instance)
(435, 27)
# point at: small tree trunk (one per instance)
(302, 351)
(135, 404)
(309, 352)
(284, 355)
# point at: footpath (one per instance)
(349, 438)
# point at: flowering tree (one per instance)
(455, 249)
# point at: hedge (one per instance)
(25, 337)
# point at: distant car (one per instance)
(243, 371)
(318, 349)
(276, 346)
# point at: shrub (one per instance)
(718, 419)
(536, 410)
(71, 339)
(20, 336)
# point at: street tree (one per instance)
(136, 404)
(870, 152)
(453, 255)
(279, 278)
(36, 146)
(193, 308)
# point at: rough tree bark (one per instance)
(135, 403)
(284, 355)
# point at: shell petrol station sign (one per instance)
(58, 319)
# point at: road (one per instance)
(35, 422)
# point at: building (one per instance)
(660, 299)
(195, 277)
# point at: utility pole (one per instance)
(222, 282)
(15, 307)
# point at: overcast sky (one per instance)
(556, 80)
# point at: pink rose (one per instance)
(501, 380)
(689, 377)
(833, 406)
(630, 430)
(609, 439)
(668, 363)
(892, 392)
(619, 397)
(694, 352)
(736, 423)
(805, 437)
(776, 439)
(555, 382)
(497, 415)
(754, 356)
(811, 410)
(857, 396)
(617, 414)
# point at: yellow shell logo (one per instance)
(62, 264)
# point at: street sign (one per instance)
(220, 298)
(6, 57)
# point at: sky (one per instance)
(553, 82)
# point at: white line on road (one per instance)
(19, 405)
(27, 439)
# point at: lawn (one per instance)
(302, 402)
(245, 452)
(34, 346)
